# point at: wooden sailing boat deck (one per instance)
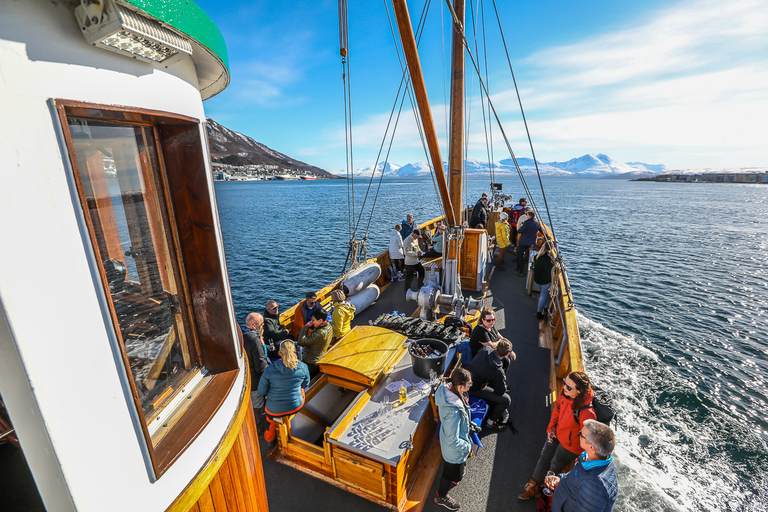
(497, 474)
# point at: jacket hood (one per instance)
(445, 397)
(345, 306)
(280, 366)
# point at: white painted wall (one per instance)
(79, 434)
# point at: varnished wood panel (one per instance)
(184, 161)
(233, 478)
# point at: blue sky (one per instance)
(684, 84)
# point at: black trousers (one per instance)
(452, 475)
(497, 403)
(414, 269)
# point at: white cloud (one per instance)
(691, 83)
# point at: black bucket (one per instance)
(422, 365)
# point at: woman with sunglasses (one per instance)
(573, 406)
(485, 334)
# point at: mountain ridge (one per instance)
(231, 147)
(586, 166)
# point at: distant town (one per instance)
(261, 172)
(757, 175)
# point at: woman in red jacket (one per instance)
(562, 446)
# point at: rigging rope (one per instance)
(525, 121)
(347, 93)
(459, 30)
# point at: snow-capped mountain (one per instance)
(587, 166)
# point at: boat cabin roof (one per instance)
(209, 48)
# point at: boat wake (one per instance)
(676, 449)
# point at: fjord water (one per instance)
(670, 281)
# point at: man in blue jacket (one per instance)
(528, 232)
(592, 485)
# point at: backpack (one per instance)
(515, 215)
(602, 403)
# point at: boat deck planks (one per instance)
(496, 476)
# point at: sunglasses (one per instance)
(273, 308)
(489, 319)
(566, 386)
(582, 436)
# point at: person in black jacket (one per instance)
(480, 213)
(257, 362)
(490, 383)
(542, 275)
(274, 331)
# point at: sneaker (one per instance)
(496, 427)
(447, 502)
(519, 273)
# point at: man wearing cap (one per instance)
(412, 255)
(480, 213)
(502, 239)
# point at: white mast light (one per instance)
(112, 27)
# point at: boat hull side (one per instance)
(233, 477)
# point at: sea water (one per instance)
(670, 281)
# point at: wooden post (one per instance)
(456, 153)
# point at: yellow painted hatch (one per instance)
(363, 354)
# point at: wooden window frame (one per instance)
(182, 177)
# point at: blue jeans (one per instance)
(544, 298)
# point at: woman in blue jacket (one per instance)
(283, 383)
(455, 443)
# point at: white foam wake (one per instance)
(675, 451)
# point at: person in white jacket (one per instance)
(396, 253)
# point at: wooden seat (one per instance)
(435, 262)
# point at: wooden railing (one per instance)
(566, 343)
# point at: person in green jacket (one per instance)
(316, 343)
(343, 313)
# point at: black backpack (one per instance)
(602, 403)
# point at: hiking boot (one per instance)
(539, 315)
(531, 490)
(447, 502)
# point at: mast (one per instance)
(420, 90)
(456, 153)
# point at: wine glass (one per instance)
(548, 482)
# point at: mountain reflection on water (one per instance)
(670, 280)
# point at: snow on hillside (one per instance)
(587, 166)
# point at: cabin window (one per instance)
(142, 183)
(118, 173)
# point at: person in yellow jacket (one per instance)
(343, 313)
(502, 239)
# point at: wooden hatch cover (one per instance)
(363, 354)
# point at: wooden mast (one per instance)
(456, 153)
(420, 89)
